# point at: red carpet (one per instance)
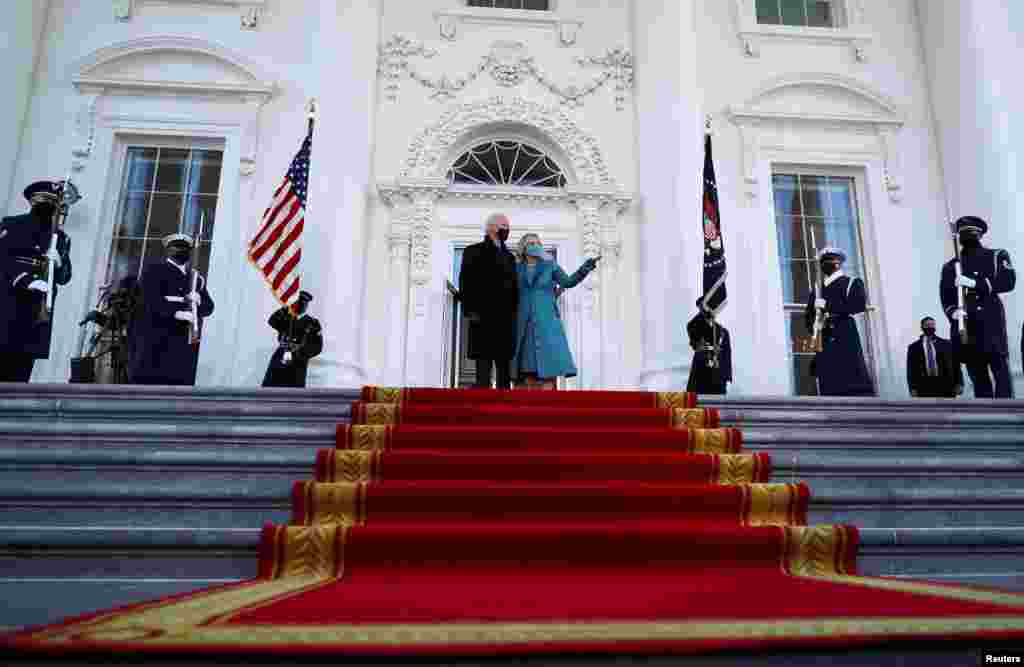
(543, 522)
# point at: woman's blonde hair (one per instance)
(523, 241)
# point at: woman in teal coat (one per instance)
(542, 350)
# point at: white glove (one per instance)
(964, 281)
(52, 254)
(959, 314)
(184, 316)
(820, 303)
(194, 297)
(39, 286)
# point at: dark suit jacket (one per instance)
(489, 289)
(949, 372)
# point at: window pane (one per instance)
(840, 192)
(814, 194)
(200, 204)
(791, 238)
(170, 173)
(536, 4)
(508, 4)
(204, 175)
(480, 3)
(153, 251)
(819, 13)
(796, 277)
(126, 259)
(165, 217)
(842, 235)
(133, 215)
(768, 11)
(793, 12)
(816, 236)
(141, 166)
(787, 198)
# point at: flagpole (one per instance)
(286, 358)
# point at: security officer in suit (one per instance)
(932, 371)
(25, 257)
(161, 349)
(299, 340)
(985, 274)
(711, 369)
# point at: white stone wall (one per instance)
(380, 231)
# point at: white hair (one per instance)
(493, 219)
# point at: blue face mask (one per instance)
(535, 251)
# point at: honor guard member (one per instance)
(25, 257)
(299, 340)
(712, 353)
(162, 351)
(932, 370)
(839, 366)
(985, 273)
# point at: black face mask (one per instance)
(503, 235)
(44, 211)
(929, 331)
(970, 239)
(829, 267)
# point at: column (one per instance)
(588, 217)
(398, 308)
(669, 133)
(343, 40)
(424, 337)
(971, 50)
(22, 31)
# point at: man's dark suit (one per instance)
(948, 375)
(489, 291)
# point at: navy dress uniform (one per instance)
(986, 273)
(711, 369)
(299, 340)
(839, 366)
(24, 241)
(161, 350)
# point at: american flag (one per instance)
(277, 247)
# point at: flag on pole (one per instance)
(276, 250)
(713, 287)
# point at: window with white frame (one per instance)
(799, 13)
(812, 211)
(540, 5)
(164, 190)
(506, 163)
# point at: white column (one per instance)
(588, 216)
(398, 308)
(669, 133)
(22, 31)
(424, 334)
(343, 40)
(611, 302)
(972, 49)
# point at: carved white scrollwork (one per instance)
(250, 11)
(85, 125)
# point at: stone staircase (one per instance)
(111, 495)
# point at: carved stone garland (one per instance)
(509, 65)
(428, 150)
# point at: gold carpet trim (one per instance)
(385, 394)
(381, 413)
(673, 399)
(711, 440)
(924, 588)
(815, 551)
(689, 418)
(736, 468)
(313, 551)
(770, 504)
(340, 502)
(411, 635)
(356, 466)
(369, 438)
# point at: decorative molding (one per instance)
(429, 149)
(250, 11)
(509, 64)
(449, 20)
(853, 33)
(883, 121)
(252, 94)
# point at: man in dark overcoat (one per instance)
(985, 274)
(932, 371)
(299, 340)
(161, 349)
(711, 369)
(25, 256)
(489, 291)
(839, 366)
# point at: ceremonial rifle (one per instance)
(68, 196)
(193, 330)
(960, 291)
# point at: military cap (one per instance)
(829, 251)
(178, 238)
(305, 296)
(971, 222)
(43, 191)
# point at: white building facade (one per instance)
(863, 123)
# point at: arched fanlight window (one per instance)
(506, 163)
